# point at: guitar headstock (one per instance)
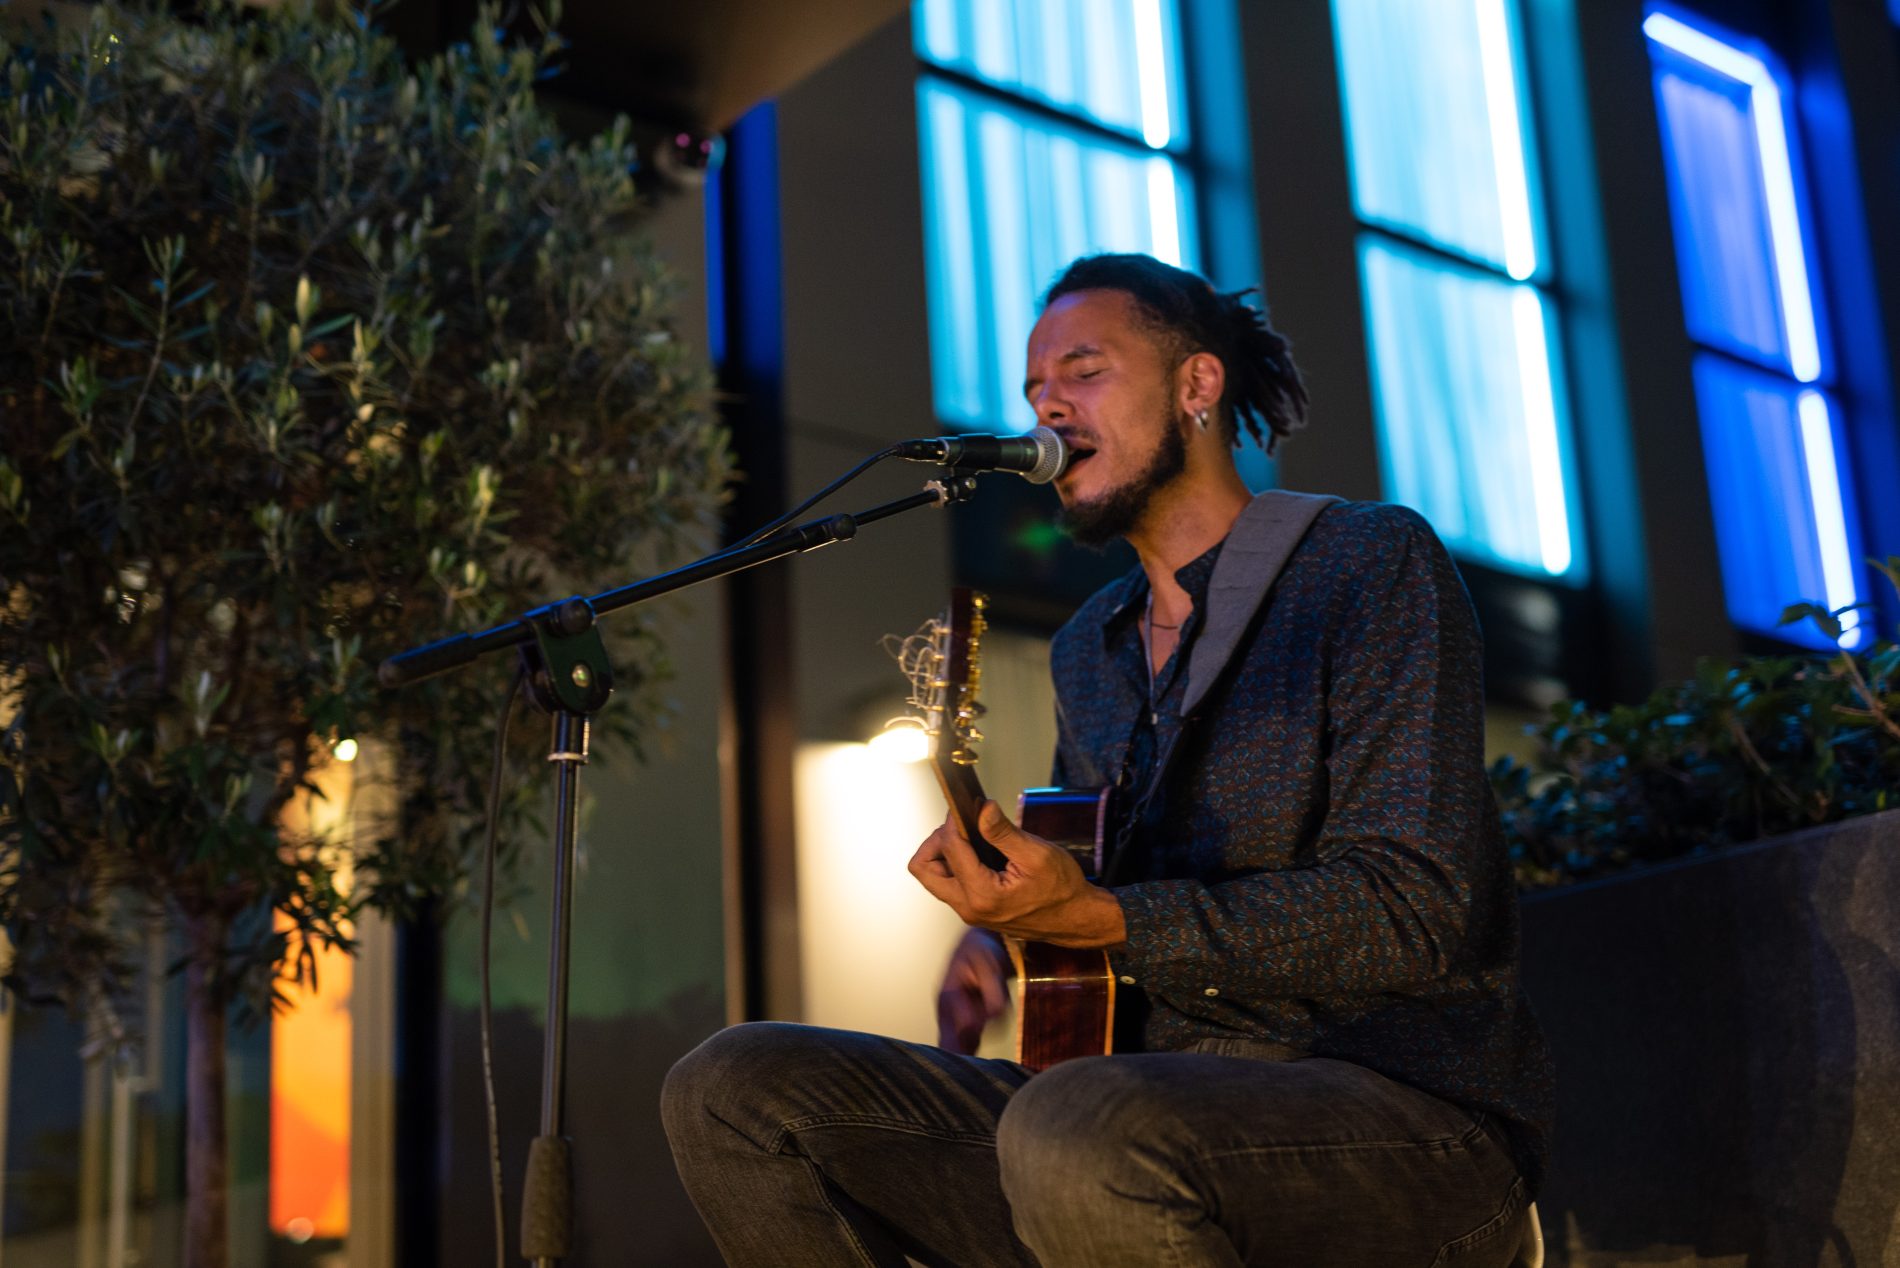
(944, 662)
(958, 672)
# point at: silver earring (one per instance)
(1200, 420)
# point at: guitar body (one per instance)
(1066, 995)
(1066, 1003)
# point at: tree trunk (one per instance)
(207, 1233)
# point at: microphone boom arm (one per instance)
(574, 615)
(569, 675)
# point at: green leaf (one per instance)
(327, 327)
(196, 295)
(1825, 621)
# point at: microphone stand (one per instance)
(569, 676)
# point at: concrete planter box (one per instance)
(1727, 1033)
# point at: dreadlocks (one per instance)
(1264, 391)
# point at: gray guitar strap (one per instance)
(1254, 555)
(1256, 552)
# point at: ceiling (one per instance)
(698, 65)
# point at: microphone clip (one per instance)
(952, 488)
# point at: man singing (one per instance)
(1322, 1057)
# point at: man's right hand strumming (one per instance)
(975, 990)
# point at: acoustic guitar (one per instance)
(1065, 995)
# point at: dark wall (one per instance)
(857, 368)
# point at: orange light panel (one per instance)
(310, 1106)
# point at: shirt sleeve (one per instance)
(1410, 822)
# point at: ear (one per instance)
(1199, 382)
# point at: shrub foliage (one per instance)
(1768, 744)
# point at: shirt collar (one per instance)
(1193, 576)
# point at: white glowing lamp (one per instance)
(901, 740)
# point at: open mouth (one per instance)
(1076, 458)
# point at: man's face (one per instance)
(1098, 377)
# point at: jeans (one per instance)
(802, 1146)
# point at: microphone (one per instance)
(1038, 457)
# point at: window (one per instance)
(1049, 130)
(1468, 382)
(1771, 428)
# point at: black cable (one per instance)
(488, 920)
(815, 498)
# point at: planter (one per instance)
(1727, 1034)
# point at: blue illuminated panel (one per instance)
(1471, 424)
(1009, 200)
(1438, 126)
(1114, 61)
(1784, 514)
(1786, 532)
(1718, 202)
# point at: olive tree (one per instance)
(306, 354)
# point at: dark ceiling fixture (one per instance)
(689, 66)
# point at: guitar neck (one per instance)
(964, 793)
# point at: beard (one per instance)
(1095, 524)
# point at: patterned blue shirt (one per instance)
(1323, 865)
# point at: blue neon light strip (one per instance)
(1820, 443)
(1785, 532)
(1437, 126)
(744, 304)
(1470, 409)
(958, 311)
(1116, 62)
(715, 206)
(1009, 200)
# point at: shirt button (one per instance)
(1211, 991)
(1128, 981)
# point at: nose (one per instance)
(1050, 408)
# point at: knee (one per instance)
(717, 1077)
(1040, 1118)
(1054, 1130)
(1085, 1126)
